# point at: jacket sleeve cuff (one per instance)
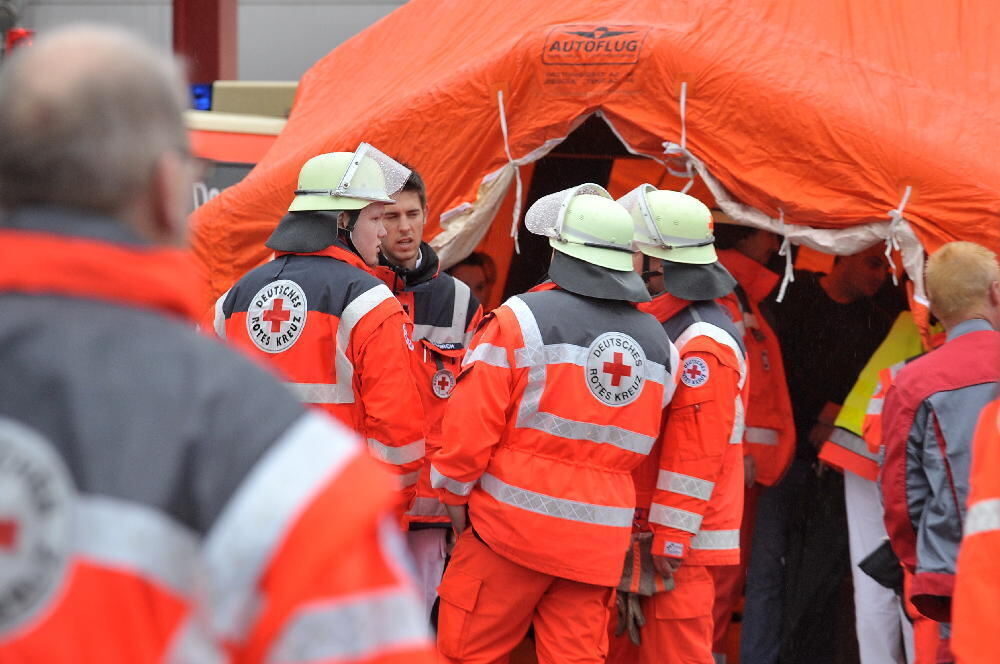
(671, 543)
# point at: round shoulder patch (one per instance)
(615, 369)
(36, 509)
(443, 383)
(695, 372)
(277, 316)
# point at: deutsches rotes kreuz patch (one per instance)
(695, 373)
(36, 511)
(443, 383)
(616, 368)
(277, 316)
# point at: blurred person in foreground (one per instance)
(928, 423)
(445, 313)
(161, 499)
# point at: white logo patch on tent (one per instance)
(695, 373)
(277, 316)
(615, 369)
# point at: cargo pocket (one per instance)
(692, 597)
(459, 593)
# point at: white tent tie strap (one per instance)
(518, 185)
(786, 251)
(892, 239)
(676, 152)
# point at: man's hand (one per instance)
(819, 434)
(459, 515)
(749, 470)
(665, 566)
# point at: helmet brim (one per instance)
(584, 278)
(304, 232)
(697, 282)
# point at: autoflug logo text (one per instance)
(587, 44)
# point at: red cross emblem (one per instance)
(693, 372)
(443, 383)
(618, 370)
(8, 535)
(277, 314)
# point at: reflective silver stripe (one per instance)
(760, 436)
(220, 316)
(253, 524)
(424, 506)
(704, 329)
(456, 332)
(670, 386)
(983, 517)
(874, 406)
(360, 307)
(442, 481)
(685, 485)
(560, 508)
(138, 539)
(601, 434)
(409, 479)
(352, 630)
(191, 642)
(489, 354)
(317, 393)
(397, 456)
(849, 441)
(673, 517)
(716, 540)
(573, 354)
(531, 355)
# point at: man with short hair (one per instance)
(444, 314)
(161, 499)
(318, 313)
(928, 423)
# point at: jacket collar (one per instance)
(338, 251)
(967, 326)
(402, 279)
(664, 306)
(56, 251)
(754, 278)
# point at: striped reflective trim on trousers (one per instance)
(397, 455)
(320, 393)
(137, 539)
(441, 481)
(489, 354)
(359, 628)
(760, 436)
(672, 517)
(428, 507)
(685, 485)
(853, 443)
(560, 508)
(716, 540)
(983, 517)
(238, 548)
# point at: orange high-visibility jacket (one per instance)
(560, 397)
(975, 616)
(342, 342)
(164, 499)
(445, 313)
(694, 486)
(769, 436)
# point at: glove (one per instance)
(639, 574)
(630, 617)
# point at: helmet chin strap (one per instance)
(648, 273)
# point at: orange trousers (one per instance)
(488, 603)
(730, 579)
(678, 624)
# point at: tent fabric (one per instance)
(813, 119)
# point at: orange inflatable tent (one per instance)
(838, 123)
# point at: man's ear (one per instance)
(170, 198)
(995, 293)
(343, 219)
